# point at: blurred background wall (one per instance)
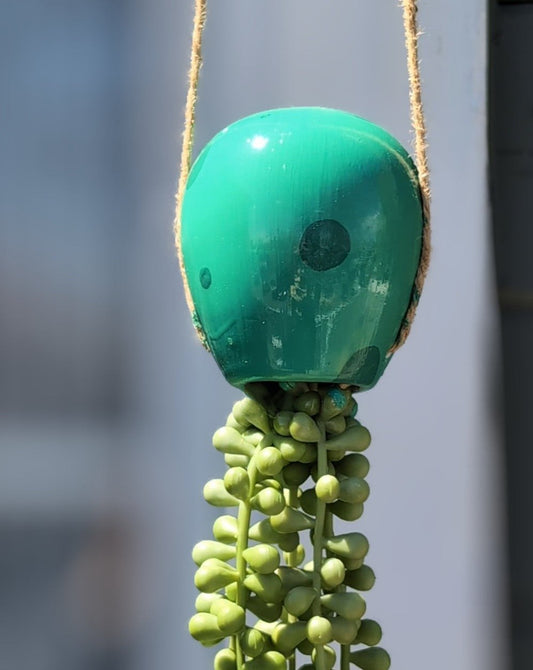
(108, 402)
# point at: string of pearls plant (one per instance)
(294, 461)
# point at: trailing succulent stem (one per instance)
(256, 588)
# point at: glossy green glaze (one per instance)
(301, 234)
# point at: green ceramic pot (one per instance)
(301, 237)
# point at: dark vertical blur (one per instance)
(511, 146)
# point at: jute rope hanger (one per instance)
(410, 8)
(200, 15)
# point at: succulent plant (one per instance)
(294, 465)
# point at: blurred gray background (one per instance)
(107, 400)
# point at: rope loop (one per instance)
(412, 33)
(200, 15)
(418, 122)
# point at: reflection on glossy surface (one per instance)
(301, 233)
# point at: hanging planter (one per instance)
(303, 237)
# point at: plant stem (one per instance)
(345, 648)
(328, 526)
(345, 657)
(293, 502)
(243, 527)
(322, 469)
(243, 524)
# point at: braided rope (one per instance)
(419, 126)
(200, 15)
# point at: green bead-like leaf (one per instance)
(327, 488)
(269, 501)
(295, 388)
(211, 549)
(335, 455)
(351, 421)
(270, 660)
(304, 429)
(348, 605)
(204, 601)
(253, 642)
(262, 531)
(262, 393)
(354, 490)
(353, 563)
(248, 410)
(268, 612)
(307, 649)
(346, 511)
(213, 575)
(291, 450)
(282, 422)
(237, 483)
(215, 493)
(266, 482)
(236, 460)
(229, 440)
(344, 630)
(267, 587)
(263, 558)
(355, 438)
(332, 573)
(295, 474)
(335, 426)
(204, 628)
(253, 436)
(310, 454)
(230, 616)
(289, 542)
(329, 656)
(308, 402)
(374, 658)
(225, 660)
(232, 422)
(351, 408)
(333, 403)
(353, 465)
(269, 461)
(298, 555)
(319, 630)
(267, 628)
(232, 591)
(299, 599)
(314, 471)
(293, 577)
(362, 579)
(349, 545)
(291, 520)
(369, 633)
(225, 529)
(308, 501)
(287, 636)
